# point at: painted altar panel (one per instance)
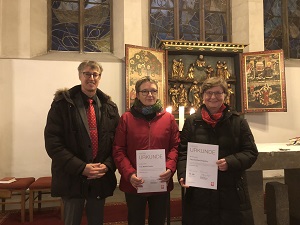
(264, 82)
(256, 81)
(142, 62)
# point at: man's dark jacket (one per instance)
(68, 144)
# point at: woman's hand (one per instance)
(135, 181)
(165, 176)
(222, 165)
(182, 183)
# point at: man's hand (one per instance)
(94, 170)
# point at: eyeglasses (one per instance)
(211, 93)
(146, 92)
(89, 75)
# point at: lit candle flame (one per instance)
(192, 111)
(169, 109)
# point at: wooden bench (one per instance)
(36, 190)
(20, 187)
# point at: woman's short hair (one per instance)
(92, 64)
(143, 80)
(214, 82)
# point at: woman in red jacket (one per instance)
(145, 126)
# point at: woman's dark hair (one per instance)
(143, 80)
(214, 82)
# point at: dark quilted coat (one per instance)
(230, 203)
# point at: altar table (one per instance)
(275, 156)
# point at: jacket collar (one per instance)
(227, 113)
(139, 115)
(69, 95)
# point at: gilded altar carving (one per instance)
(187, 76)
(192, 62)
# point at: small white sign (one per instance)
(201, 169)
(150, 164)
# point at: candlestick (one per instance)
(181, 117)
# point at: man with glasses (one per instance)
(78, 137)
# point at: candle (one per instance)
(192, 110)
(169, 109)
(181, 117)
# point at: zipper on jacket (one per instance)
(149, 123)
(149, 136)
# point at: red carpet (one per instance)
(115, 214)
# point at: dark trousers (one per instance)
(136, 205)
(73, 209)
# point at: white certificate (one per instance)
(150, 164)
(201, 168)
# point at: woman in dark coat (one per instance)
(215, 124)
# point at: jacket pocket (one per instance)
(102, 187)
(242, 191)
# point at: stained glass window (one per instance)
(76, 20)
(282, 26)
(190, 20)
(294, 28)
(161, 21)
(217, 24)
(189, 26)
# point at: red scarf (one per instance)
(212, 119)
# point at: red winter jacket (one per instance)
(136, 133)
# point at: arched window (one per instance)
(282, 26)
(190, 20)
(80, 25)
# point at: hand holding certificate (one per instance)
(150, 164)
(201, 169)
